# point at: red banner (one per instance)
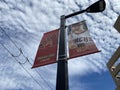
(47, 51)
(79, 40)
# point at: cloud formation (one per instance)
(25, 21)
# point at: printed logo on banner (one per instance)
(79, 40)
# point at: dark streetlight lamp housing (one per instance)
(96, 7)
(62, 67)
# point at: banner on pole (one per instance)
(47, 51)
(79, 40)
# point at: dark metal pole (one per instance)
(62, 67)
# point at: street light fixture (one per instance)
(62, 67)
(99, 6)
(96, 7)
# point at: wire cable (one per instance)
(10, 38)
(21, 53)
(23, 67)
(20, 50)
(37, 71)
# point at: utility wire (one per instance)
(37, 71)
(23, 67)
(39, 74)
(20, 50)
(10, 38)
(21, 53)
(12, 42)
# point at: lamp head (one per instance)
(98, 6)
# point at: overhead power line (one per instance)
(21, 53)
(10, 38)
(23, 67)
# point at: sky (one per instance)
(22, 25)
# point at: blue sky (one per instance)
(25, 21)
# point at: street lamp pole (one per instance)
(62, 64)
(62, 69)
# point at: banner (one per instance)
(79, 40)
(47, 51)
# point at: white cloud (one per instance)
(25, 22)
